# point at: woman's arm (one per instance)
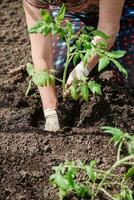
(109, 22)
(109, 16)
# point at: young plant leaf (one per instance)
(95, 87)
(37, 28)
(84, 91)
(116, 54)
(30, 69)
(74, 92)
(86, 57)
(61, 14)
(130, 145)
(39, 78)
(101, 34)
(76, 57)
(82, 190)
(120, 67)
(117, 134)
(130, 172)
(90, 171)
(103, 63)
(129, 195)
(46, 16)
(102, 45)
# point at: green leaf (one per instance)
(101, 34)
(130, 172)
(74, 92)
(87, 45)
(69, 27)
(95, 87)
(89, 28)
(41, 27)
(84, 91)
(78, 43)
(82, 190)
(91, 173)
(117, 134)
(102, 45)
(103, 63)
(46, 30)
(61, 14)
(92, 163)
(130, 145)
(37, 28)
(129, 195)
(62, 194)
(46, 16)
(30, 69)
(76, 57)
(39, 78)
(116, 54)
(120, 67)
(61, 182)
(86, 57)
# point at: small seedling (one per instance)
(96, 181)
(79, 47)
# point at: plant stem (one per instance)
(29, 87)
(58, 79)
(105, 192)
(119, 150)
(116, 164)
(66, 65)
(129, 163)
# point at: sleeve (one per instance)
(38, 3)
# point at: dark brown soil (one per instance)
(27, 153)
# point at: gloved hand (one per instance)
(78, 73)
(52, 122)
(80, 70)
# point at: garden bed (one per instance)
(27, 153)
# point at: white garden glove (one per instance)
(97, 39)
(79, 72)
(52, 121)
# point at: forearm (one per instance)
(109, 23)
(109, 16)
(93, 60)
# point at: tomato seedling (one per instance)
(96, 181)
(79, 47)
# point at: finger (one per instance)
(66, 93)
(69, 80)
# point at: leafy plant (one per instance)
(95, 181)
(120, 138)
(79, 47)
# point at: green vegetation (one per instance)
(79, 47)
(95, 181)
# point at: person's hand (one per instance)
(80, 70)
(52, 121)
(78, 73)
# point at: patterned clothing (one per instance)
(81, 14)
(125, 41)
(76, 6)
